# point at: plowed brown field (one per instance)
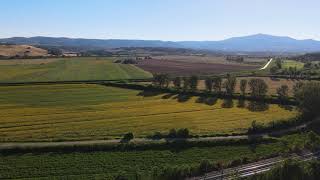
(175, 67)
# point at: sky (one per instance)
(174, 20)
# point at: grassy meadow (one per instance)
(68, 69)
(293, 64)
(85, 112)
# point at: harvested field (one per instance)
(85, 112)
(210, 59)
(179, 67)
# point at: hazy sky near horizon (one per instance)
(159, 19)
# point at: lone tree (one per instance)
(172, 133)
(296, 88)
(217, 81)
(274, 69)
(279, 63)
(177, 82)
(209, 84)
(243, 86)
(258, 87)
(183, 133)
(193, 82)
(282, 92)
(230, 84)
(127, 137)
(186, 83)
(309, 99)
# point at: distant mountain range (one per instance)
(252, 43)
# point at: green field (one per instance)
(68, 69)
(291, 63)
(106, 165)
(85, 112)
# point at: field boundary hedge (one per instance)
(176, 145)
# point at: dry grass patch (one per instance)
(21, 50)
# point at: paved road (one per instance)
(265, 66)
(254, 168)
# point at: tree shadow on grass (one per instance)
(256, 106)
(314, 126)
(168, 96)
(254, 141)
(274, 79)
(207, 100)
(182, 97)
(149, 93)
(286, 107)
(241, 103)
(201, 99)
(227, 103)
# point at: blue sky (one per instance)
(160, 19)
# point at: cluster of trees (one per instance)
(309, 69)
(308, 97)
(238, 59)
(54, 51)
(258, 87)
(213, 84)
(127, 61)
(310, 65)
(278, 66)
(307, 57)
(161, 80)
(173, 133)
(185, 83)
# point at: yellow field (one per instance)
(79, 112)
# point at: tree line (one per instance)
(307, 94)
(258, 88)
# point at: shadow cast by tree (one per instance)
(207, 100)
(286, 107)
(182, 97)
(274, 79)
(256, 106)
(241, 103)
(149, 93)
(168, 96)
(227, 103)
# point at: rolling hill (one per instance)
(21, 50)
